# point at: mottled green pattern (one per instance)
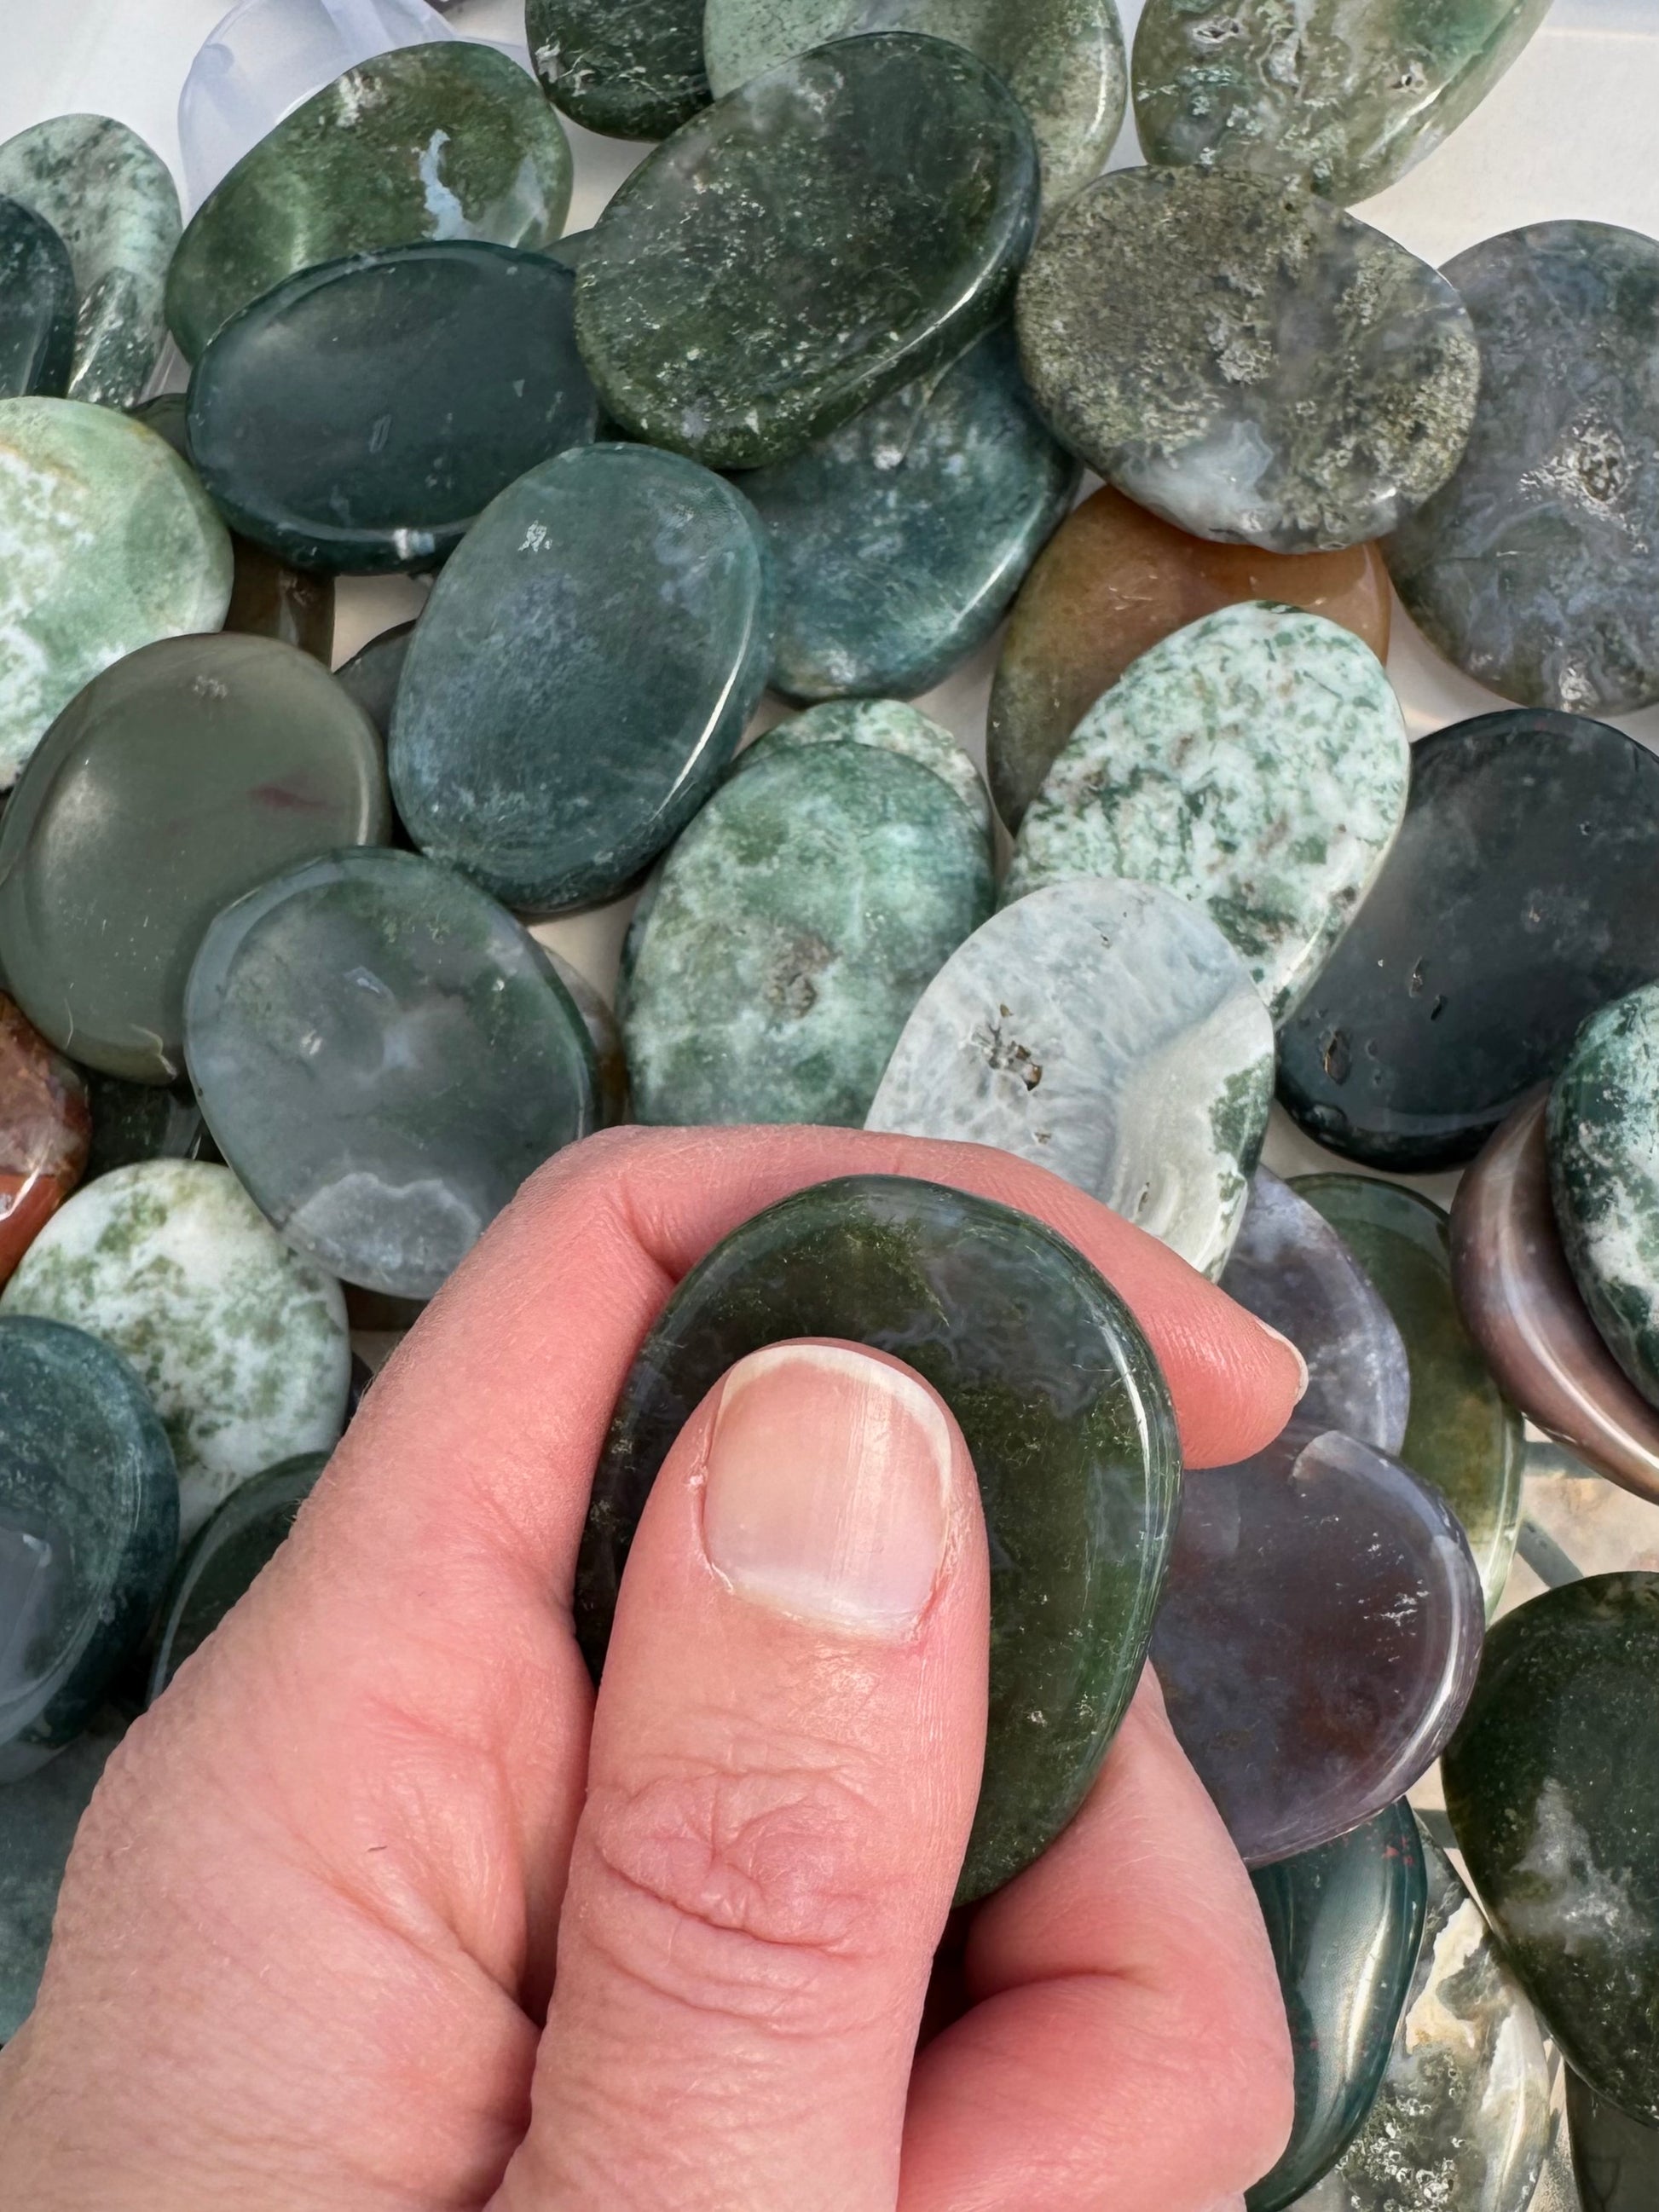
(891, 727)
(37, 305)
(632, 69)
(38, 1819)
(221, 1562)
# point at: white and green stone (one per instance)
(1255, 763)
(891, 727)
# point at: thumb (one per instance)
(785, 1761)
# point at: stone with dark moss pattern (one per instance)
(635, 71)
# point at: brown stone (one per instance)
(45, 1129)
(270, 599)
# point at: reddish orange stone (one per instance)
(45, 1129)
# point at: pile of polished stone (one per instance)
(807, 409)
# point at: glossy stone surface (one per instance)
(1343, 97)
(450, 141)
(1289, 1268)
(174, 782)
(1107, 1031)
(240, 1345)
(1615, 2159)
(1463, 1435)
(1112, 582)
(1255, 764)
(1246, 361)
(632, 72)
(38, 1820)
(615, 589)
(898, 540)
(1063, 60)
(890, 726)
(1318, 1637)
(374, 672)
(776, 956)
(45, 1129)
(1552, 1785)
(383, 1055)
(37, 304)
(1064, 1412)
(111, 200)
(1523, 893)
(837, 227)
(1345, 1923)
(88, 1527)
(107, 542)
(133, 1122)
(220, 1566)
(1536, 568)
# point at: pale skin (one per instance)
(376, 1911)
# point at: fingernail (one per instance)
(828, 1487)
(1279, 1338)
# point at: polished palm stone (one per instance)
(175, 781)
(1463, 1437)
(1245, 360)
(1523, 893)
(444, 141)
(1345, 1923)
(582, 675)
(112, 200)
(1615, 2159)
(1256, 764)
(1107, 1031)
(631, 72)
(1289, 1268)
(1112, 582)
(383, 1055)
(37, 304)
(223, 1559)
(1536, 568)
(890, 726)
(38, 1820)
(845, 223)
(1345, 97)
(899, 538)
(374, 672)
(45, 1131)
(1318, 1638)
(1553, 1785)
(1062, 1408)
(107, 542)
(133, 1122)
(1063, 60)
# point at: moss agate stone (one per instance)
(845, 223)
(224, 1558)
(632, 72)
(374, 671)
(899, 539)
(1615, 2159)
(37, 305)
(446, 140)
(133, 1122)
(890, 726)
(1245, 360)
(38, 1820)
(1063, 1409)
(45, 1131)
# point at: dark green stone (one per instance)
(631, 72)
(1615, 2159)
(374, 672)
(142, 1121)
(843, 223)
(37, 305)
(38, 1819)
(1062, 1407)
(222, 1559)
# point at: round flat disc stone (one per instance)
(46, 1132)
(1107, 1031)
(632, 72)
(1245, 360)
(224, 1558)
(240, 1344)
(1063, 1409)
(1536, 568)
(1522, 894)
(383, 1055)
(1615, 2159)
(843, 223)
(107, 542)
(1255, 763)
(449, 140)
(175, 781)
(615, 589)
(37, 304)
(39, 1817)
(88, 1528)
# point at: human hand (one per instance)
(307, 1940)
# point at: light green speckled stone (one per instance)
(891, 727)
(1256, 764)
(240, 1343)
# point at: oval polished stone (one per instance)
(1536, 570)
(1107, 1031)
(37, 304)
(223, 1559)
(632, 72)
(174, 782)
(1463, 1437)
(1255, 764)
(1345, 1923)
(374, 672)
(39, 1817)
(383, 1055)
(133, 1122)
(898, 540)
(791, 929)
(1318, 1638)
(1552, 1785)
(615, 589)
(350, 420)
(45, 1131)
(448, 141)
(1519, 1300)
(88, 1528)
(840, 226)
(1615, 2159)
(111, 200)
(1112, 582)
(1522, 894)
(1246, 361)
(240, 1345)
(107, 542)
(891, 727)
(1064, 1412)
